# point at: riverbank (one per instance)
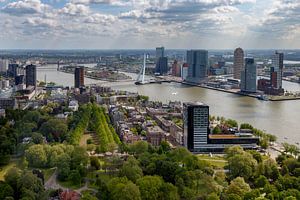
(238, 92)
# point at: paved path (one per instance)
(53, 184)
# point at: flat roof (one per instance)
(196, 103)
(229, 136)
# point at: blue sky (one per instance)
(130, 24)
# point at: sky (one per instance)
(139, 24)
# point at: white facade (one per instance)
(3, 65)
(200, 126)
(184, 72)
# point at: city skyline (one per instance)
(131, 24)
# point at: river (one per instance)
(278, 118)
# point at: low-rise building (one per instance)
(73, 105)
(176, 134)
(155, 135)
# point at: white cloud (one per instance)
(75, 9)
(25, 7)
(101, 19)
(151, 21)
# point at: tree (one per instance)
(36, 156)
(37, 138)
(54, 130)
(231, 123)
(95, 162)
(261, 181)
(213, 196)
(139, 147)
(63, 167)
(75, 177)
(246, 126)
(169, 192)
(234, 150)
(268, 168)
(217, 130)
(150, 187)
(79, 157)
(32, 116)
(6, 190)
(242, 165)
(131, 169)
(256, 155)
(31, 186)
(12, 177)
(164, 147)
(88, 196)
(264, 143)
(128, 191)
(238, 186)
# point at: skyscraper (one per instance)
(160, 52)
(161, 61)
(248, 76)
(162, 66)
(31, 75)
(276, 70)
(79, 77)
(197, 65)
(238, 63)
(195, 126)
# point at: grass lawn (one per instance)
(6, 168)
(217, 162)
(48, 173)
(70, 185)
(83, 139)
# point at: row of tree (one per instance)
(80, 123)
(105, 132)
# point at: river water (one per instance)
(279, 118)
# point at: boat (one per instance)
(174, 93)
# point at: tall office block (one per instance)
(161, 61)
(160, 52)
(19, 79)
(79, 77)
(195, 126)
(248, 76)
(238, 63)
(197, 61)
(276, 70)
(31, 75)
(12, 70)
(162, 66)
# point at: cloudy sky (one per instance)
(128, 24)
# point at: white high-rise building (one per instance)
(3, 65)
